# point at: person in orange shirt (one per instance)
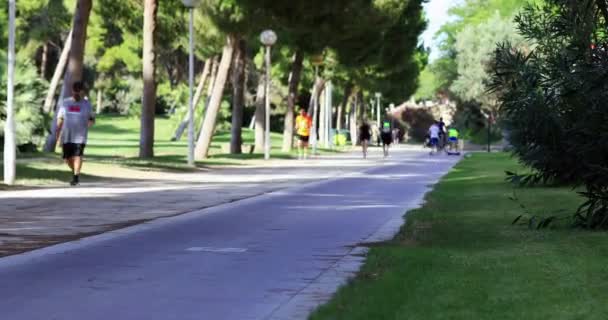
(303, 125)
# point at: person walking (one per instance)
(387, 137)
(365, 136)
(74, 119)
(303, 125)
(434, 132)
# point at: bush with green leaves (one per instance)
(553, 99)
(30, 122)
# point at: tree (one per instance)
(466, 14)
(475, 46)
(76, 60)
(146, 143)
(294, 81)
(204, 140)
(552, 100)
(235, 20)
(59, 70)
(238, 96)
(260, 115)
(197, 97)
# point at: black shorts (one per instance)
(387, 138)
(304, 139)
(71, 150)
(364, 137)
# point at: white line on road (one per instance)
(217, 250)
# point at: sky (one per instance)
(437, 14)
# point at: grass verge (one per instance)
(459, 257)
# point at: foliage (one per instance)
(429, 86)
(553, 99)
(388, 61)
(474, 47)
(29, 95)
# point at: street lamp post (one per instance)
(371, 103)
(392, 109)
(316, 62)
(268, 39)
(9, 127)
(191, 4)
(378, 96)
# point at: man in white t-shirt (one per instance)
(74, 119)
(434, 131)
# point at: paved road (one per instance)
(31, 219)
(272, 257)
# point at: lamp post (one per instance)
(191, 4)
(316, 62)
(378, 96)
(9, 127)
(268, 39)
(392, 110)
(371, 103)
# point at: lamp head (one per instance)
(268, 38)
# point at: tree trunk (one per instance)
(214, 67)
(294, 83)
(148, 107)
(322, 116)
(260, 116)
(197, 97)
(238, 97)
(99, 101)
(361, 111)
(75, 61)
(45, 60)
(353, 119)
(63, 61)
(204, 140)
(347, 92)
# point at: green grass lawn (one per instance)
(459, 257)
(114, 142)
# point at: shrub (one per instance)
(553, 99)
(31, 123)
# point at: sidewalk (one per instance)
(31, 219)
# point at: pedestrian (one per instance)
(434, 137)
(74, 119)
(303, 125)
(365, 136)
(386, 136)
(442, 134)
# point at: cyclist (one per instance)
(453, 139)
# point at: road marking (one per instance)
(217, 250)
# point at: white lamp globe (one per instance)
(268, 38)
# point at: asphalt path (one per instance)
(275, 256)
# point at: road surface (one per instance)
(276, 256)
